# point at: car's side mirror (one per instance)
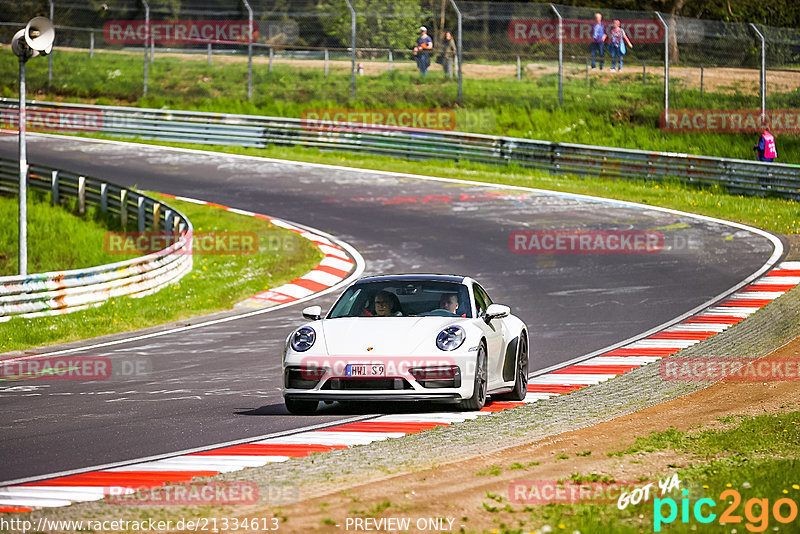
(313, 313)
(496, 311)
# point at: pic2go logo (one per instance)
(756, 511)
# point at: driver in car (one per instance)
(449, 302)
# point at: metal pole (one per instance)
(271, 55)
(91, 44)
(666, 63)
(208, 60)
(250, 50)
(587, 72)
(702, 73)
(50, 56)
(763, 71)
(152, 49)
(460, 51)
(326, 62)
(353, 51)
(644, 73)
(391, 60)
(560, 56)
(519, 69)
(147, 26)
(23, 175)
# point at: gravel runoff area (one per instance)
(320, 474)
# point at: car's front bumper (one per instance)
(375, 396)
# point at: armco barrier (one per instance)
(736, 175)
(54, 293)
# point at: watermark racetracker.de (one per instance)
(387, 120)
(778, 121)
(223, 243)
(731, 369)
(604, 241)
(84, 368)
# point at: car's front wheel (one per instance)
(478, 399)
(521, 380)
(301, 407)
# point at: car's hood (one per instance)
(388, 336)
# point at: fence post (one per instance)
(763, 81)
(702, 75)
(156, 215)
(560, 56)
(666, 62)
(587, 72)
(519, 69)
(460, 56)
(81, 194)
(104, 197)
(54, 187)
(123, 207)
(152, 49)
(250, 50)
(208, 59)
(644, 73)
(326, 62)
(271, 56)
(50, 55)
(141, 218)
(353, 51)
(147, 33)
(391, 60)
(91, 44)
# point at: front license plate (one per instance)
(365, 369)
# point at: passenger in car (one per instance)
(386, 304)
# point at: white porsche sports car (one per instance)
(407, 337)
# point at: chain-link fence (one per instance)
(329, 49)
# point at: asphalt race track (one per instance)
(221, 382)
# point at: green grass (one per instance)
(759, 457)
(215, 283)
(618, 111)
(774, 434)
(774, 214)
(58, 238)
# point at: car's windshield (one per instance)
(403, 298)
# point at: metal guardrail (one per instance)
(60, 292)
(738, 176)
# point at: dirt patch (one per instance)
(459, 490)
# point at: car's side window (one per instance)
(482, 300)
(486, 297)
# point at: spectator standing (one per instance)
(765, 149)
(598, 40)
(422, 51)
(618, 38)
(449, 54)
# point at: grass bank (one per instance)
(215, 283)
(58, 238)
(612, 111)
(745, 469)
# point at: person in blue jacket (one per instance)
(423, 51)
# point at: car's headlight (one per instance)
(451, 338)
(303, 339)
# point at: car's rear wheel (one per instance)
(478, 399)
(301, 407)
(521, 379)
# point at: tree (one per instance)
(379, 23)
